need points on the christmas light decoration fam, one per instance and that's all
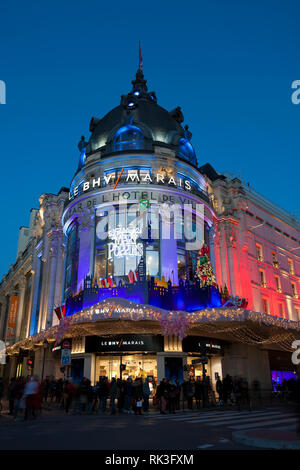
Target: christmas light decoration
(204, 269)
(119, 315)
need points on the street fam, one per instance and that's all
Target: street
(189, 430)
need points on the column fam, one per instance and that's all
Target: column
(21, 294)
(54, 237)
(86, 246)
(168, 250)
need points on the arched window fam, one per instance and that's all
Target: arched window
(128, 138)
(186, 151)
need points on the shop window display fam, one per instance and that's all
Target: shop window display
(137, 365)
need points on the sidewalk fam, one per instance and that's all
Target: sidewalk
(268, 439)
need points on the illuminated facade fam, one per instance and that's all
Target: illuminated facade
(110, 262)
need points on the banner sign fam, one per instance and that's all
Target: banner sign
(65, 357)
(12, 316)
(195, 344)
(125, 342)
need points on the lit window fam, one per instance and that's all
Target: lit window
(128, 138)
(294, 290)
(275, 260)
(266, 308)
(278, 284)
(262, 278)
(281, 310)
(259, 252)
(291, 267)
(297, 314)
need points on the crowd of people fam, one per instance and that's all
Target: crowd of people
(26, 396)
(124, 396)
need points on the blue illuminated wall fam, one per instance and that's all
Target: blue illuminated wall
(187, 297)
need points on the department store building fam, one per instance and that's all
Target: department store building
(109, 263)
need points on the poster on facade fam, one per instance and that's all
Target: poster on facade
(12, 317)
(65, 357)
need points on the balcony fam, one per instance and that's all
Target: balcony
(187, 296)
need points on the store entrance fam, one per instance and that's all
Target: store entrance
(77, 366)
(213, 368)
(134, 365)
(174, 369)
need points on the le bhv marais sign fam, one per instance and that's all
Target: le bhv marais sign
(130, 176)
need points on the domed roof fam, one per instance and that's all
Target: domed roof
(139, 109)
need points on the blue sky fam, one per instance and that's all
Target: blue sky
(229, 65)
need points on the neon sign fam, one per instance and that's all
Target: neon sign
(130, 177)
(124, 242)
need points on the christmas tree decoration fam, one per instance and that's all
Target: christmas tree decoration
(204, 269)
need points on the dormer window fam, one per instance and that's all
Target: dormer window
(128, 138)
(186, 151)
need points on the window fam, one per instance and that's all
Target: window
(278, 284)
(275, 260)
(294, 290)
(266, 308)
(259, 252)
(72, 261)
(181, 263)
(128, 138)
(262, 278)
(109, 263)
(281, 310)
(291, 266)
(297, 314)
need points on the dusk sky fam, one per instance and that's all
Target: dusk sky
(229, 65)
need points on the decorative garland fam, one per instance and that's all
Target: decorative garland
(171, 323)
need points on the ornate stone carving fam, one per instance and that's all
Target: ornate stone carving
(86, 219)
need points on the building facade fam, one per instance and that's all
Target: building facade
(110, 263)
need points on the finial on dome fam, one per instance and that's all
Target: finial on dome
(140, 57)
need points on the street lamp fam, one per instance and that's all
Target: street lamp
(45, 345)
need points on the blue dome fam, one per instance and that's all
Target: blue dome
(186, 151)
(128, 138)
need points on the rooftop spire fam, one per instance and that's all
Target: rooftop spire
(140, 57)
(139, 84)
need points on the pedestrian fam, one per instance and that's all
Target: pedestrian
(58, 391)
(31, 396)
(128, 396)
(198, 392)
(121, 394)
(137, 396)
(237, 393)
(227, 388)
(103, 392)
(113, 393)
(172, 398)
(190, 392)
(69, 392)
(83, 395)
(219, 388)
(256, 388)
(10, 395)
(146, 395)
(245, 397)
(178, 393)
(18, 394)
(162, 394)
(95, 395)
